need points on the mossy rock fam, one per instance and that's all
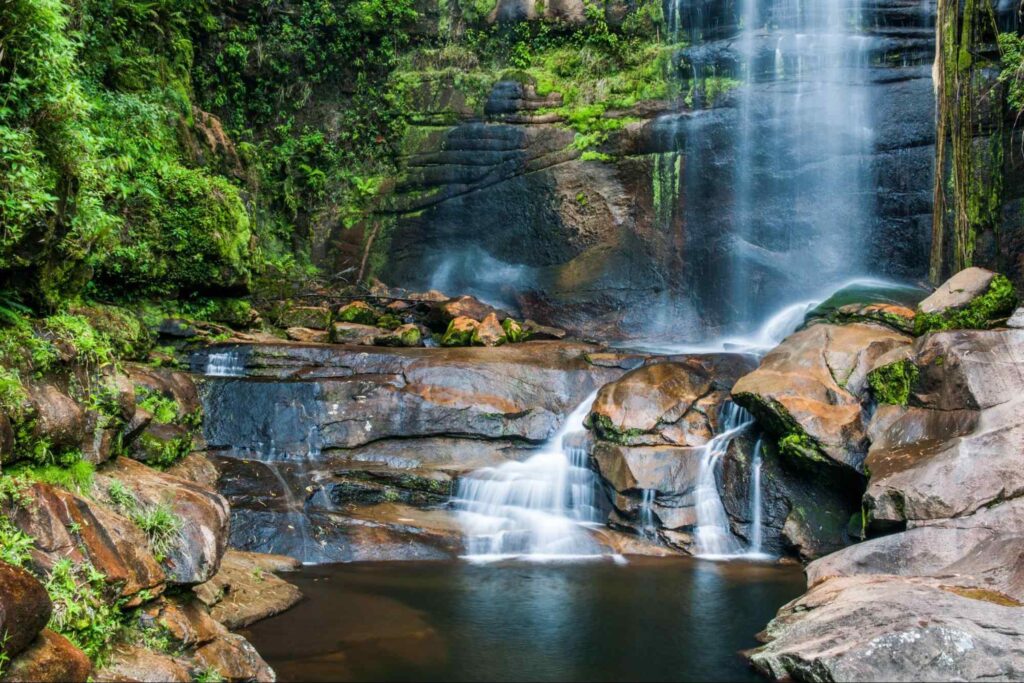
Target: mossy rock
(997, 303)
(893, 383)
(514, 332)
(404, 336)
(358, 312)
(460, 332)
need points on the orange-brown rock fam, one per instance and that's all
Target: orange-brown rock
(59, 419)
(66, 525)
(196, 468)
(234, 658)
(308, 335)
(24, 608)
(137, 664)
(489, 332)
(245, 590)
(50, 658)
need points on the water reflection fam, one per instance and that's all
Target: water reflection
(666, 619)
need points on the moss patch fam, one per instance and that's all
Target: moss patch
(894, 383)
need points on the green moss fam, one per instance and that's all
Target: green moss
(164, 409)
(998, 302)
(81, 611)
(456, 337)
(358, 313)
(389, 321)
(800, 447)
(608, 431)
(514, 332)
(162, 453)
(76, 476)
(894, 383)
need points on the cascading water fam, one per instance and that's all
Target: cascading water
(224, 364)
(713, 537)
(777, 198)
(534, 508)
(756, 513)
(647, 525)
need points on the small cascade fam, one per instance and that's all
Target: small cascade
(225, 364)
(647, 525)
(755, 502)
(535, 508)
(713, 537)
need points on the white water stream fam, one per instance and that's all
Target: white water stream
(537, 508)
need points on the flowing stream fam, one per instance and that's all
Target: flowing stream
(714, 539)
(756, 505)
(536, 508)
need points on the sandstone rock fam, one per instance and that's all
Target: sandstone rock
(235, 659)
(636, 408)
(66, 525)
(245, 590)
(194, 554)
(489, 332)
(884, 628)
(50, 658)
(404, 335)
(958, 291)
(810, 387)
(431, 296)
(1016, 320)
(537, 331)
(357, 313)
(312, 317)
(186, 620)
(140, 420)
(969, 369)
(59, 419)
(468, 307)
(460, 332)
(196, 468)
(161, 444)
(24, 608)
(353, 334)
(140, 665)
(307, 335)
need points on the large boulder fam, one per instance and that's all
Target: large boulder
(59, 420)
(655, 404)
(24, 608)
(973, 298)
(65, 525)
(141, 665)
(245, 589)
(809, 390)
(885, 628)
(354, 334)
(51, 658)
(194, 552)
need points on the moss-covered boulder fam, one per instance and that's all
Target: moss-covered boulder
(405, 335)
(312, 317)
(353, 333)
(893, 383)
(489, 332)
(974, 298)
(460, 332)
(357, 312)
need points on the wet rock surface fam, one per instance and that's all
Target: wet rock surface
(50, 658)
(25, 608)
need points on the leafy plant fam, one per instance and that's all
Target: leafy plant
(81, 611)
(15, 545)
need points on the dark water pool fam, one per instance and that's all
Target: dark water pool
(651, 619)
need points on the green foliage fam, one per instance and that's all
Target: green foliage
(609, 431)
(998, 302)
(74, 474)
(90, 346)
(161, 526)
(1011, 75)
(81, 611)
(163, 408)
(514, 332)
(894, 383)
(15, 545)
(800, 447)
(359, 313)
(162, 453)
(208, 675)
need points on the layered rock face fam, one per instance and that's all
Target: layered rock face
(936, 592)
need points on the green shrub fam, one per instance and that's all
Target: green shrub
(163, 408)
(81, 611)
(15, 545)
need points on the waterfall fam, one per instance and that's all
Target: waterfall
(224, 364)
(535, 508)
(755, 502)
(647, 524)
(713, 537)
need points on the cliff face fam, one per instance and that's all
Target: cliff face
(504, 192)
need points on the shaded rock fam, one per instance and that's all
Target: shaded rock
(234, 658)
(636, 408)
(140, 420)
(169, 383)
(489, 332)
(194, 554)
(969, 369)
(958, 291)
(245, 590)
(984, 550)
(460, 332)
(24, 608)
(141, 665)
(537, 331)
(186, 620)
(353, 333)
(161, 444)
(196, 468)
(357, 313)
(50, 657)
(66, 525)
(59, 419)
(6, 439)
(307, 335)
(899, 318)
(808, 390)
(404, 335)
(312, 317)
(1016, 320)
(885, 628)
